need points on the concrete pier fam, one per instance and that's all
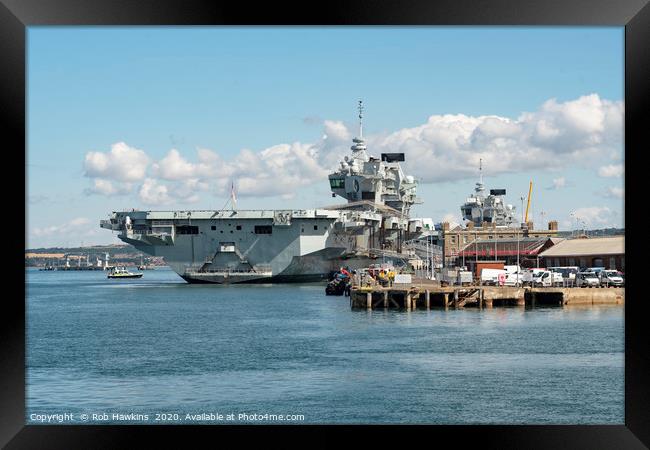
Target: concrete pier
(411, 297)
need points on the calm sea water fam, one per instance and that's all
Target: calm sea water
(163, 349)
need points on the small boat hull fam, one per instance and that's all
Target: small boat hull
(135, 275)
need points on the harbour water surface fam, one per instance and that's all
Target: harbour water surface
(157, 345)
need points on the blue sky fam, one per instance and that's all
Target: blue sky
(554, 92)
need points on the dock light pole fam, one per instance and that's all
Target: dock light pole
(431, 262)
(518, 267)
(463, 257)
(476, 254)
(426, 265)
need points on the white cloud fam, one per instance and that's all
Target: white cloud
(153, 193)
(73, 232)
(276, 170)
(611, 171)
(175, 167)
(615, 192)
(597, 216)
(72, 227)
(108, 188)
(122, 163)
(444, 148)
(453, 219)
(558, 183)
(448, 147)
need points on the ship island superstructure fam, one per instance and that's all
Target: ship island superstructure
(479, 208)
(288, 245)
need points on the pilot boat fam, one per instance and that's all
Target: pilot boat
(121, 272)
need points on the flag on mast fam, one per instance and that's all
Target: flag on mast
(233, 198)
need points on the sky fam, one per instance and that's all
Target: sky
(165, 118)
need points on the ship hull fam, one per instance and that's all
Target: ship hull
(305, 278)
(306, 269)
(259, 246)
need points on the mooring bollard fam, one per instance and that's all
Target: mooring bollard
(369, 300)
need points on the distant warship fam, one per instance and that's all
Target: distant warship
(479, 208)
(289, 245)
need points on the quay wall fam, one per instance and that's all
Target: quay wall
(412, 297)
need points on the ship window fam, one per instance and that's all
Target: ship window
(337, 183)
(187, 229)
(367, 195)
(263, 229)
(238, 227)
(315, 227)
(213, 227)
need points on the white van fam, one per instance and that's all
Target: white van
(542, 278)
(514, 276)
(530, 276)
(568, 273)
(491, 276)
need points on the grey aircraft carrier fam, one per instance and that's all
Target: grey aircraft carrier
(289, 245)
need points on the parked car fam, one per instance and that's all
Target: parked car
(587, 279)
(611, 278)
(595, 270)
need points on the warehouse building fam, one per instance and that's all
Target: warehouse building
(585, 252)
(457, 239)
(522, 250)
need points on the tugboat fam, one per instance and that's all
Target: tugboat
(121, 272)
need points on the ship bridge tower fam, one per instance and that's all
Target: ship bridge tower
(361, 177)
(479, 208)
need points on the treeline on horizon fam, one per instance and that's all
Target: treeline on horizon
(110, 249)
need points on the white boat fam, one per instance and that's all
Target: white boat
(121, 272)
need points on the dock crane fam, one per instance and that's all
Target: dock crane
(530, 191)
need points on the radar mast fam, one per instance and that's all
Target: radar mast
(360, 119)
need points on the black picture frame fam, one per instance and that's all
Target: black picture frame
(634, 15)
